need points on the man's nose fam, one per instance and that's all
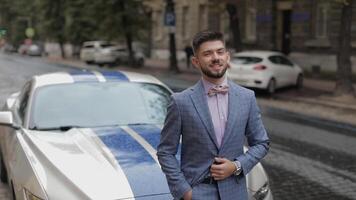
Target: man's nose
(215, 55)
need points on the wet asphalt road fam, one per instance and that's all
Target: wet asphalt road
(308, 159)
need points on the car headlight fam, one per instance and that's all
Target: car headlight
(262, 192)
(30, 196)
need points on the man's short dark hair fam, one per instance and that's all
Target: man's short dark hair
(205, 36)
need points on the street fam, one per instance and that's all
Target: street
(308, 159)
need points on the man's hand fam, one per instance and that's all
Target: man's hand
(222, 168)
(188, 195)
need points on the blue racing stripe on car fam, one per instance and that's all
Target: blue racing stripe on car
(141, 170)
(83, 76)
(114, 76)
(151, 133)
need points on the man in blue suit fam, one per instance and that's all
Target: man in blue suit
(212, 120)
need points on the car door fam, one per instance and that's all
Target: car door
(282, 69)
(11, 142)
(291, 71)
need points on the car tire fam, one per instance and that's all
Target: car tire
(299, 82)
(3, 172)
(271, 87)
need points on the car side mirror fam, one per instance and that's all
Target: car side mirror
(6, 119)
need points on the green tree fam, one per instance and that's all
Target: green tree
(121, 20)
(53, 20)
(80, 23)
(16, 16)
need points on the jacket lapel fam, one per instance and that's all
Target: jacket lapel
(201, 105)
(233, 110)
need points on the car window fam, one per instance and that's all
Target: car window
(104, 45)
(120, 49)
(280, 60)
(88, 46)
(246, 60)
(99, 104)
(285, 61)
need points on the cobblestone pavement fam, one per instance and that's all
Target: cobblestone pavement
(4, 192)
(309, 162)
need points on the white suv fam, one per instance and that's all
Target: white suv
(103, 52)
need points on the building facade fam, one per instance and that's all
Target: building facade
(307, 30)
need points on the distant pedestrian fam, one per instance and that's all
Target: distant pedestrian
(211, 122)
(189, 53)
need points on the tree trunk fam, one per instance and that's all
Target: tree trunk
(344, 70)
(173, 56)
(128, 37)
(127, 30)
(234, 26)
(61, 46)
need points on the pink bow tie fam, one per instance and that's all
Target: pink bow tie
(218, 89)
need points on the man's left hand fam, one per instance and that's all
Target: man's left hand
(222, 168)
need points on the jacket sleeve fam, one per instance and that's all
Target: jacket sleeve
(257, 139)
(167, 149)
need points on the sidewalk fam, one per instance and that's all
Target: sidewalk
(314, 99)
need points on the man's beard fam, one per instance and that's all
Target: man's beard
(211, 74)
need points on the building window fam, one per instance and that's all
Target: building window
(185, 22)
(321, 21)
(158, 25)
(251, 15)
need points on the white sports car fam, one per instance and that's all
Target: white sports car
(90, 135)
(266, 70)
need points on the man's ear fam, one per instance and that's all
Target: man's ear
(195, 62)
(228, 56)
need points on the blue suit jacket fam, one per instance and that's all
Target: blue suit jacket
(189, 118)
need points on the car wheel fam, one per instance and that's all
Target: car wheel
(299, 82)
(3, 172)
(271, 88)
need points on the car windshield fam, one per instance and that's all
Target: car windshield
(105, 45)
(246, 60)
(98, 104)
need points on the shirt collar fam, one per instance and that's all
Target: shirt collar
(207, 85)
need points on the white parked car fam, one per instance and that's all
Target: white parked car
(103, 52)
(266, 70)
(90, 135)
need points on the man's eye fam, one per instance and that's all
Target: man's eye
(222, 51)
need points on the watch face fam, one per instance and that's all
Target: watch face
(238, 171)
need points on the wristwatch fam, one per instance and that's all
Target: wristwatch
(238, 168)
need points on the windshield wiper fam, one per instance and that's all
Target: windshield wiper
(60, 128)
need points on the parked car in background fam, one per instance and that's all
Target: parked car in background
(90, 135)
(266, 70)
(33, 49)
(103, 52)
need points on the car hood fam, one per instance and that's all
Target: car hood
(101, 163)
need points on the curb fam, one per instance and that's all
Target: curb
(319, 102)
(326, 124)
